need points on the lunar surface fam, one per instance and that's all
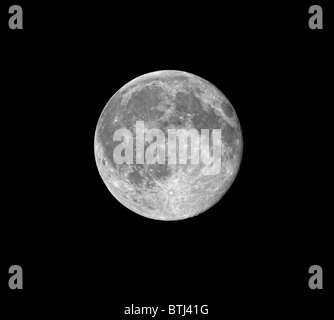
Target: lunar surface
(140, 173)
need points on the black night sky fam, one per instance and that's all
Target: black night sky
(82, 252)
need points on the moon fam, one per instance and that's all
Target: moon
(165, 103)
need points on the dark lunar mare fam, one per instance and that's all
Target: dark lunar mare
(142, 107)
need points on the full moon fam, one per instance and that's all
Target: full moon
(168, 145)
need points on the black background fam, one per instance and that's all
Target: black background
(81, 251)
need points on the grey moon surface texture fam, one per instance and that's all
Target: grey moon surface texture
(168, 145)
